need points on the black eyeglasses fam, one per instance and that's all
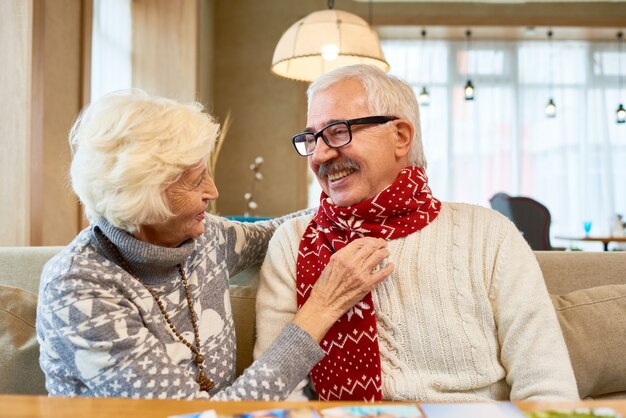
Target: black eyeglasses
(335, 135)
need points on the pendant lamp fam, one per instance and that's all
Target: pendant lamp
(323, 41)
(424, 96)
(620, 113)
(469, 87)
(551, 106)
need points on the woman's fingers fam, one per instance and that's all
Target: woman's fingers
(364, 252)
(350, 274)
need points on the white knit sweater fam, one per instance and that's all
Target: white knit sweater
(465, 316)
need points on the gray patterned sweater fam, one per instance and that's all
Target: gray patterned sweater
(102, 334)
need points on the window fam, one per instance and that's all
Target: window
(574, 163)
(111, 63)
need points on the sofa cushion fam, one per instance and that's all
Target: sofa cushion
(593, 322)
(242, 301)
(19, 349)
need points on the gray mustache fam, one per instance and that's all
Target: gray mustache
(333, 166)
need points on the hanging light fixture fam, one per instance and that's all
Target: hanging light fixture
(325, 40)
(424, 96)
(551, 106)
(620, 112)
(469, 87)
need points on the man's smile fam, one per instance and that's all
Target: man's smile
(338, 175)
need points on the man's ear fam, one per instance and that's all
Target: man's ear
(404, 137)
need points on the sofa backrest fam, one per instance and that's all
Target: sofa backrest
(21, 266)
(20, 270)
(563, 271)
(567, 271)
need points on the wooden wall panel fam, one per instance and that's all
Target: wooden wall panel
(62, 102)
(40, 91)
(165, 47)
(266, 110)
(16, 18)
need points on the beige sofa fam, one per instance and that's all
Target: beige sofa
(589, 293)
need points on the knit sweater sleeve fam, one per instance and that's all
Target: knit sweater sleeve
(277, 372)
(532, 347)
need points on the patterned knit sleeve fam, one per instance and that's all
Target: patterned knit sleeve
(246, 242)
(275, 374)
(532, 348)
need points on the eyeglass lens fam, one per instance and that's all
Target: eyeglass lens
(335, 136)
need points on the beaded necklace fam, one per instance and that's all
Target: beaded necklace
(203, 380)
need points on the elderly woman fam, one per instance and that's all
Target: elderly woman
(137, 305)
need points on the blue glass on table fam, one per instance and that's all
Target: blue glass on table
(587, 227)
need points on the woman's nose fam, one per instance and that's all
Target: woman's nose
(210, 190)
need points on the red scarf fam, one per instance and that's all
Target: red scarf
(351, 368)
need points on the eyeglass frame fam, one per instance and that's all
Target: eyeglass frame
(368, 120)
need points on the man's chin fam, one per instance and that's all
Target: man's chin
(343, 201)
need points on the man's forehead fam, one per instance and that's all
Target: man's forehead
(338, 102)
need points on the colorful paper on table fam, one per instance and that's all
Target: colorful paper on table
(281, 413)
(202, 414)
(575, 413)
(471, 410)
(265, 413)
(381, 411)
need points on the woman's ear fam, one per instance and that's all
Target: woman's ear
(404, 137)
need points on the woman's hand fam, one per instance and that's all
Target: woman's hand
(346, 279)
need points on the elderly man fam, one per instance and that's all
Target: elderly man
(465, 315)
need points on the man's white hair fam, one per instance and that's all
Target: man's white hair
(128, 147)
(386, 95)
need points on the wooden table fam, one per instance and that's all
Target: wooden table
(603, 240)
(18, 406)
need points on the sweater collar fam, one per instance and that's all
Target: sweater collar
(150, 263)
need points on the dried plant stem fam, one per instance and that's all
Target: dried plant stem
(212, 162)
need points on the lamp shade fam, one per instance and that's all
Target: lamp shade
(325, 40)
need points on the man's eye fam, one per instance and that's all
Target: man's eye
(339, 130)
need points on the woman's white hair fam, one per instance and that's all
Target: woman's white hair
(386, 95)
(128, 147)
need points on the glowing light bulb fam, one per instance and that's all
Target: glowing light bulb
(469, 90)
(621, 114)
(424, 97)
(330, 52)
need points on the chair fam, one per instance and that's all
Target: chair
(500, 202)
(530, 216)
